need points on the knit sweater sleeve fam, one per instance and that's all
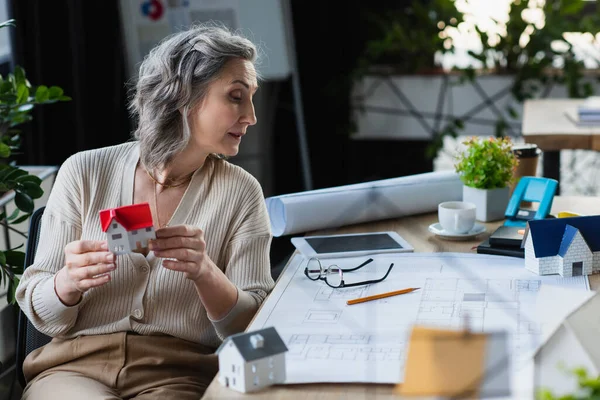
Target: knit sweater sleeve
(247, 263)
(60, 225)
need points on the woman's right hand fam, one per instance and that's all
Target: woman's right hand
(87, 265)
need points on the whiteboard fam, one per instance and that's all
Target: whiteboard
(146, 22)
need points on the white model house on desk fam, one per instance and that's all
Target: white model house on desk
(128, 228)
(253, 360)
(572, 343)
(565, 246)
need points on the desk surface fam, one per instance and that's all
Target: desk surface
(545, 124)
(414, 230)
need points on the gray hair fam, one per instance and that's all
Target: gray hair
(173, 78)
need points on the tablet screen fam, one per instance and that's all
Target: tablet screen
(352, 243)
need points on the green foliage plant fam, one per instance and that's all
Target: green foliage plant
(486, 163)
(546, 50)
(18, 97)
(588, 388)
(408, 39)
(546, 58)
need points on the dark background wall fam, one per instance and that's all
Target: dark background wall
(329, 42)
(78, 46)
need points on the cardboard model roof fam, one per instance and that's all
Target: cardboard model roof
(584, 325)
(553, 236)
(456, 363)
(273, 344)
(132, 217)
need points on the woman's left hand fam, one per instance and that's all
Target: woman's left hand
(182, 248)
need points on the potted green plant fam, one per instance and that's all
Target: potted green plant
(18, 97)
(408, 38)
(486, 167)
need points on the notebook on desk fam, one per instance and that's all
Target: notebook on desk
(509, 236)
(485, 248)
(504, 241)
(573, 116)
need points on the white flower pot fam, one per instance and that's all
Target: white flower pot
(491, 203)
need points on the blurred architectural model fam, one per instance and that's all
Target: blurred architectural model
(570, 343)
(253, 360)
(456, 364)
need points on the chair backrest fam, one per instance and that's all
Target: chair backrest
(28, 337)
(532, 189)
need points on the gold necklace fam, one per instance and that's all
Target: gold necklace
(156, 207)
(167, 186)
(185, 180)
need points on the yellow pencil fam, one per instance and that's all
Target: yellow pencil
(381, 296)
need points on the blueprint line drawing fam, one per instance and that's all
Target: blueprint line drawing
(329, 341)
(447, 302)
(327, 293)
(341, 347)
(322, 316)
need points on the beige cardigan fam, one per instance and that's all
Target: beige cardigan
(222, 199)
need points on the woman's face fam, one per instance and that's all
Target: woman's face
(218, 123)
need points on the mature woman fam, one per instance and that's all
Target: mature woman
(146, 325)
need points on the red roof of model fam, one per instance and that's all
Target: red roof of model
(135, 216)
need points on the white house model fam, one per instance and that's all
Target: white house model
(571, 342)
(565, 246)
(253, 360)
(128, 228)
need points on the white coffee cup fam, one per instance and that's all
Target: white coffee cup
(456, 216)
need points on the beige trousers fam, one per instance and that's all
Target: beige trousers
(120, 365)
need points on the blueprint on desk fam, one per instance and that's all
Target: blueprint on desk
(329, 341)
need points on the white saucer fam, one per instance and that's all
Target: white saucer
(438, 230)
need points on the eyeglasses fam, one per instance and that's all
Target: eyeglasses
(334, 275)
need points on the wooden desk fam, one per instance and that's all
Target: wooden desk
(414, 230)
(545, 124)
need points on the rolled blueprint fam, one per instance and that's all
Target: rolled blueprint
(362, 202)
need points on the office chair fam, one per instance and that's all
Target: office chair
(28, 337)
(530, 189)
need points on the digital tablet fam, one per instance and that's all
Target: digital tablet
(354, 244)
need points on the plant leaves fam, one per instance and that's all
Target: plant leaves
(24, 202)
(29, 178)
(19, 77)
(15, 173)
(9, 22)
(22, 94)
(55, 92)
(42, 94)
(16, 259)
(12, 289)
(4, 150)
(22, 218)
(25, 108)
(13, 215)
(32, 189)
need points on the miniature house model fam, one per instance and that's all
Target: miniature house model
(565, 246)
(128, 228)
(456, 363)
(571, 343)
(253, 360)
